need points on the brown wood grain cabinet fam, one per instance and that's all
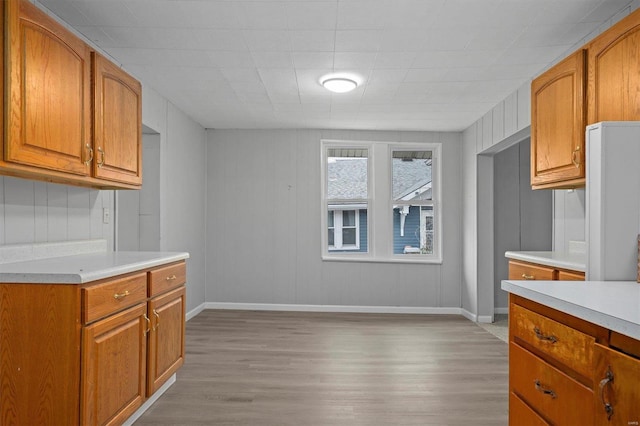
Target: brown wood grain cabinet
(521, 270)
(52, 85)
(614, 72)
(89, 354)
(565, 371)
(599, 82)
(557, 125)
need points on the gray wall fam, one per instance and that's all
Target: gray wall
(568, 217)
(38, 212)
(263, 226)
(182, 191)
(522, 217)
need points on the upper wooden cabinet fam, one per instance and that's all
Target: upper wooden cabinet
(118, 123)
(558, 125)
(48, 92)
(614, 72)
(53, 82)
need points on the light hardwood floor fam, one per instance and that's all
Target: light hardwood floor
(292, 368)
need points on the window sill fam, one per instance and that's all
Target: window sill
(395, 259)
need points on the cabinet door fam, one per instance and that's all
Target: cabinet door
(118, 124)
(166, 340)
(557, 125)
(48, 93)
(614, 72)
(114, 367)
(618, 392)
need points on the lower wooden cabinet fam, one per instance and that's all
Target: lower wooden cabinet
(89, 354)
(567, 371)
(114, 359)
(521, 270)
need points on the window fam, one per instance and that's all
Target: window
(380, 201)
(347, 187)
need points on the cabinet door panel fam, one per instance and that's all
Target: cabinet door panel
(166, 340)
(557, 125)
(48, 100)
(619, 379)
(614, 72)
(113, 367)
(118, 124)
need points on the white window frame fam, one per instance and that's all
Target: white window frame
(379, 202)
(338, 226)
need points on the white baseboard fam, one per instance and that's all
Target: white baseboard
(332, 308)
(501, 311)
(468, 315)
(192, 313)
(486, 319)
(149, 402)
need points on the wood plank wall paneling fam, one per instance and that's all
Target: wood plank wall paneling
(263, 225)
(34, 212)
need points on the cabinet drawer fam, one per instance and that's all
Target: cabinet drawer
(547, 390)
(618, 399)
(570, 276)
(521, 414)
(565, 344)
(167, 277)
(104, 299)
(529, 271)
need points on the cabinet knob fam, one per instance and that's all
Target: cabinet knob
(528, 277)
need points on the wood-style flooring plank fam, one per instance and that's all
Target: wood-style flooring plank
(293, 368)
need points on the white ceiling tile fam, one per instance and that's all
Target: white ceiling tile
(96, 35)
(323, 60)
(273, 59)
(267, 40)
(412, 14)
(384, 76)
(69, 11)
(249, 75)
(456, 59)
(262, 15)
(358, 40)
(185, 14)
(311, 15)
(358, 15)
(313, 41)
(354, 60)
(114, 13)
(386, 60)
(425, 74)
(229, 59)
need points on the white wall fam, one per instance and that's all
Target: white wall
(568, 217)
(182, 190)
(263, 226)
(37, 212)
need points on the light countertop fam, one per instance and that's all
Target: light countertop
(84, 268)
(575, 261)
(611, 304)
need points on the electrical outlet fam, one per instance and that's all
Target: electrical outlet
(106, 215)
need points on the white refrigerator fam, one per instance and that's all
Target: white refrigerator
(612, 200)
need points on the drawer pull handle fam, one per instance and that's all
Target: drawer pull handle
(121, 295)
(146, 318)
(101, 159)
(157, 320)
(573, 157)
(171, 278)
(544, 390)
(528, 277)
(90, 159)
(608, 378)
(541, 336)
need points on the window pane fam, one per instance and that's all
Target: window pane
(349, 218)
(413, 230)
(347, 174)
(330, 218)
(331, 239)
(348, 236)
(412, 175)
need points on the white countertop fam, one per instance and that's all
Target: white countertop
(575, 261)
(83, 268)
(611, 304)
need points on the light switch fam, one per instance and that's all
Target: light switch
(106, 215)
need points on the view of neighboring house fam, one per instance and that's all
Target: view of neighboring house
(347, 213)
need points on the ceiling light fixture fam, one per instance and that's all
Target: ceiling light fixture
(339, 84)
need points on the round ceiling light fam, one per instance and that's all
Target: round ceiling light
(339, 84)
